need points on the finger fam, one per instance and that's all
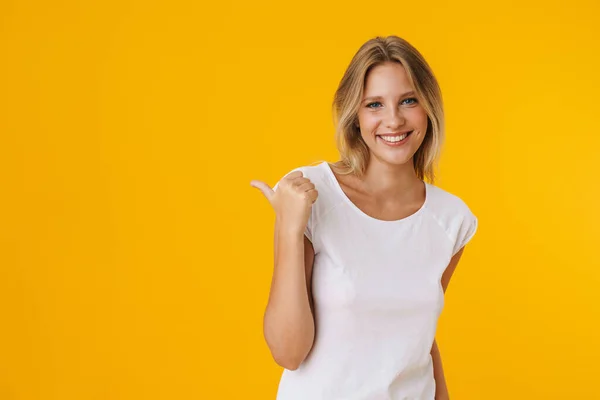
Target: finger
(299, 181)
(264, 188)
(293, 175)
(312, 194)
(306, 186)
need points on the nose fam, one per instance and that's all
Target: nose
(393, 119)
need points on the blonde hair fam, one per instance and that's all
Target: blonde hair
(354, 152)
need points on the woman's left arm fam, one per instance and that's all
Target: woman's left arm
(441, 389)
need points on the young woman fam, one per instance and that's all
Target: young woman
(364, 247)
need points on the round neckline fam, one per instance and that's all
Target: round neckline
(341, 192)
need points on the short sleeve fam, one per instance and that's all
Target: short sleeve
(308, 231)
(466, 231)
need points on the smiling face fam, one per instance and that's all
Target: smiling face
(389, 108)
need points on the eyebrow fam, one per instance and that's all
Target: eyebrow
(411, 93)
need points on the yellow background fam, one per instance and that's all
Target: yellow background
(136, 259)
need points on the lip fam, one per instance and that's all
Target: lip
(395, 144)
(395, 134)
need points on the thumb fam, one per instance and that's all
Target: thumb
(264, 188)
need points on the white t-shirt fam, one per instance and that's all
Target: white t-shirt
(377, 295)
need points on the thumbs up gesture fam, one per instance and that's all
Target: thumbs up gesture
(293, 199)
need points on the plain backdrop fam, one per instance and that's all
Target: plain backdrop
(135, 257)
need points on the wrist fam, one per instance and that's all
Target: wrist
(288, 228)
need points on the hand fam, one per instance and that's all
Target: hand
(293, 199)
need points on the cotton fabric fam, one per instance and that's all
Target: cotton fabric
(377, 295)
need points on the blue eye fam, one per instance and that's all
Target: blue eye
(377, 102)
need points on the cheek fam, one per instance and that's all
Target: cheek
(368, 120)
(419, 118)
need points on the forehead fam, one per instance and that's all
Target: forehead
(387, 78)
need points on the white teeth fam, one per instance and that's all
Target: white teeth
(394, 138)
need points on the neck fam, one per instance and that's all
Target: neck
(390, 181)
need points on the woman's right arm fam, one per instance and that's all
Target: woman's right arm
(289, 326)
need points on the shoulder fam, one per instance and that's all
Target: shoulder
(319, 173)
(444, 203)
(315, 172)
(453, 214)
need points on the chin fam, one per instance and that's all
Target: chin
(397, 161)
(402, 162)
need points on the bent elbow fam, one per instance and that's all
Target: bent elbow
(287, 362)
(289, 349)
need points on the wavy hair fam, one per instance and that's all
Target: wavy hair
(354, 152)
